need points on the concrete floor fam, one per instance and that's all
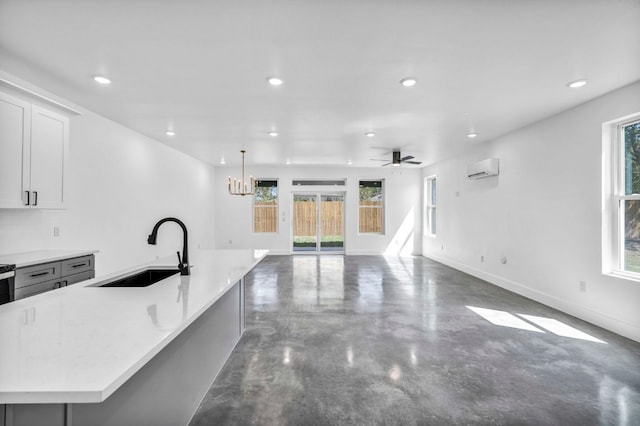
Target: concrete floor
(366, 340)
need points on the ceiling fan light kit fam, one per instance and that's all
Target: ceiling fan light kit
(397, 160)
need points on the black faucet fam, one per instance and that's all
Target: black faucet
(183, 263)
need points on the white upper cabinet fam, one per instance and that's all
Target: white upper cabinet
(49, 136)
(15, 126)
(33, 155)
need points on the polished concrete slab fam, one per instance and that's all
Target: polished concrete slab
(366, 340)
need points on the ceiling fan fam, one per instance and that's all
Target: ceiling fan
(397, 160)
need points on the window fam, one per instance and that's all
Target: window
(625, 179)
(430, 206)
(265, 206)
(371, 217)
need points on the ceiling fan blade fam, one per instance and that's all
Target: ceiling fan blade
(413, 162)
(408, 157)
(385, 164)
(377, 159)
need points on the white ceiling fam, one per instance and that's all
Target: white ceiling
(200, 67)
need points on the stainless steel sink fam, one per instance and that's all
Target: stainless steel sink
(142, 279)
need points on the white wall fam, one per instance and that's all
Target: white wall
(543, 213)
(402, 214)
(119, 184)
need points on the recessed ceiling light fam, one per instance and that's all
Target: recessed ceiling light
(101, 79)
(408, 81)
(349, 162)
(273, 133)
(222, 161)
(275, 81)
(472, 135)
(288, 161)
(370, 134)
(576, 84)
(170, 133)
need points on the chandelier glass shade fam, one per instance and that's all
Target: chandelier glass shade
(240, 186)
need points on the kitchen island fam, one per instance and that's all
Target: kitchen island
(85, 354)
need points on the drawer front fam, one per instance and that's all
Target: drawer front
(77, 265)
(34, 289)
(36, 274)
(73, 279)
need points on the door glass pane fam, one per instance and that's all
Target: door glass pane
(631, 252)
(332, 223)
(305, 229)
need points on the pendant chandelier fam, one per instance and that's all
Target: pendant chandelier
(239, 186)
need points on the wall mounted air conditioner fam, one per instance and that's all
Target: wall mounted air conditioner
(484, 168)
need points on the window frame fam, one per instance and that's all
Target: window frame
(382, 208)
(430, 208)
(614, 198)
(277, 208)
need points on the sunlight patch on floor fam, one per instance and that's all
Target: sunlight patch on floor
(532, 323)
(504, 319)
(559, 328)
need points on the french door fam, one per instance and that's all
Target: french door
(318, 222)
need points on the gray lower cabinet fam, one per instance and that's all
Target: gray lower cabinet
(36, 279)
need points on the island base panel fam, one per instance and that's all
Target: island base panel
(168, 389)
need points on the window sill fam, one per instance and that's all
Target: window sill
(631, 276)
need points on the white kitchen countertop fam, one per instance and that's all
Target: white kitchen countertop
(80, 343)
(41, 256)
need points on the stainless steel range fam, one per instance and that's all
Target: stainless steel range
(7, 272)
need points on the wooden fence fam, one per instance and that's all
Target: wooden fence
(265, 216)
(370, 216)
(304, 218)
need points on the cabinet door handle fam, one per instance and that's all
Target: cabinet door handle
(79, 265)
(35, 198)
(28, 198)
(39, 274)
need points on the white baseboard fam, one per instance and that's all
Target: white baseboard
(279, 252)
(600, 319)
(348, 252)
(363, 252)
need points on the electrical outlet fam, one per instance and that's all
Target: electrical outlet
(56, 231)
(583, 286)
